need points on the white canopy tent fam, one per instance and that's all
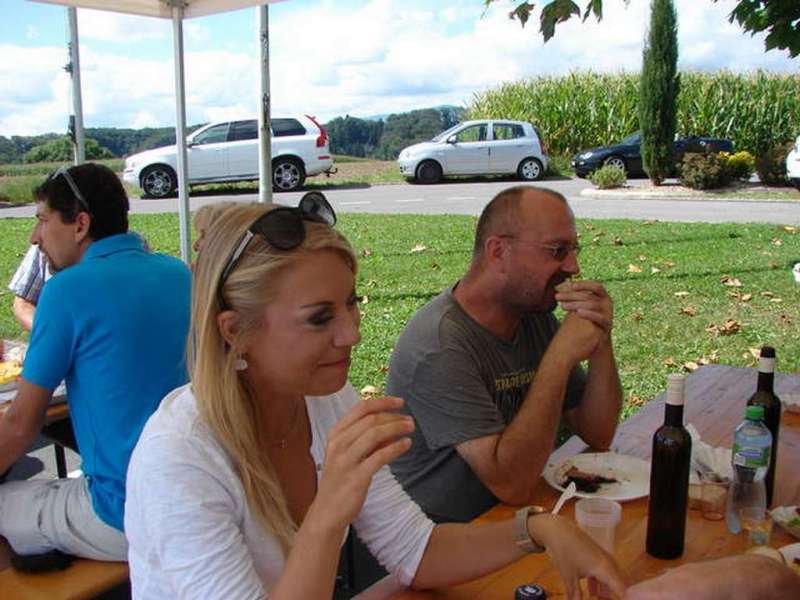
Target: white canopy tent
(177, 11)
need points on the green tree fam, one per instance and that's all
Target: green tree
(658, 91)
(60, 150)
(780, 19)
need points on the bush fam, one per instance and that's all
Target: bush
(741, 164)
(705, 171)
(771, 165)
(585, 109)
(607, 177)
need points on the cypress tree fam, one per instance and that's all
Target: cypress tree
(658, 91)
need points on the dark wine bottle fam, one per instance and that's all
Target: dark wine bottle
(766, 397)
(669, 477)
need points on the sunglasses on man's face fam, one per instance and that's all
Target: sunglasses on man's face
(282, 228)
(83, 205)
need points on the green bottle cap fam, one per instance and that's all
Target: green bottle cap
(754, 413)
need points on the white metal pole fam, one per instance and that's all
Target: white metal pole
(264, 131)
(75, 74)
(180, 129)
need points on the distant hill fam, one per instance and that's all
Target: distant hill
(380, 136)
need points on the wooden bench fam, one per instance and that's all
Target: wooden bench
(82, 580)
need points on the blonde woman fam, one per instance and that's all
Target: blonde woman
(243, 484)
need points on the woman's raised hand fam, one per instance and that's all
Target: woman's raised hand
(367, 438)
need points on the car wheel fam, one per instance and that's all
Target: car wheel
(288, 174)
(428, 172)
(158, 181)
(616, 161)
(530, 169)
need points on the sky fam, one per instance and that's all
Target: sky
(328, 58)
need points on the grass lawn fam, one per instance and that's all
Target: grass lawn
(684, 294)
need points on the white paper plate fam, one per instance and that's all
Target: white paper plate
(791, 552)
(784, 515)
(8, 387)
(632, 475)
(791, 401)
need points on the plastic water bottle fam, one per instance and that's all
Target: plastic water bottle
(752, 443)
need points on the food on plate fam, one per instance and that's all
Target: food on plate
(584, 481)
(9, 371)
(768, 552)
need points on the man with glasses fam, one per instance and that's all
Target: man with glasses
(488, 372)
(112, 321)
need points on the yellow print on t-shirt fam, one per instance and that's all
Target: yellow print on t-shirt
(515, 381)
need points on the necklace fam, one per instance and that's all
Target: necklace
(283, 442)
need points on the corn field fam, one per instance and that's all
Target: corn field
(757, 110)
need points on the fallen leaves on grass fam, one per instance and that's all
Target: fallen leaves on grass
(741, 297)
(767, 294)
(681, 294)
(689, 310)
(637, 317)
(634, 400)
(669, 362)
(693, 365)
(418, 248)
(730, 281)
(790, 229)
(369, 390)
(776, 242)
(634, 268)
(435, 265)
(366, 252)
(642, 257)
(654, 270)
(618, 241)
(729, 327)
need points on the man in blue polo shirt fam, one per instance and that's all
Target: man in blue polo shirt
(112, 322)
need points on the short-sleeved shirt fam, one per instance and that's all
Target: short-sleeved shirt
(191, 532)
(461, 382)
(30, 275)
(114, 326)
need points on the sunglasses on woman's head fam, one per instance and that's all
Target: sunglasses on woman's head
(282, 228)
(64, 172)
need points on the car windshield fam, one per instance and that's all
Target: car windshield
(635, 138)
(445, 134)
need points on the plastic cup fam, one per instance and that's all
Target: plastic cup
(713, 496)
(756, 525)
(598, 518)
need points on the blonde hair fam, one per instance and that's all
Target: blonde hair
(225, 401)
(208, 213)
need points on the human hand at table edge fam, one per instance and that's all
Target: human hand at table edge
(576, 555)
(743, 577)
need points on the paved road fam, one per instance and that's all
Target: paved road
(471, 197)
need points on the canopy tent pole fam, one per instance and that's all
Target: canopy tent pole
(180, 128)
(74, 69)
(264, 119)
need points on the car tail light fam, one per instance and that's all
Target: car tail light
(322, 138)
(541, 141)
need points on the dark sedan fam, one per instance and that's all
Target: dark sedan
(628, 156)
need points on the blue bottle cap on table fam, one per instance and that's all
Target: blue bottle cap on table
(530, 591)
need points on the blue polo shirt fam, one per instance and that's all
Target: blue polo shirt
(114, 326)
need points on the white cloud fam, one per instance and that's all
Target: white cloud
(119, 28)
(386, 56)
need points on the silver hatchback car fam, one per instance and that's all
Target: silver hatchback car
(489, 147)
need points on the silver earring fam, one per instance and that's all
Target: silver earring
(240, 364)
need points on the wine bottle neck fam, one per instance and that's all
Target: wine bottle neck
(766, 381)
(673, 415)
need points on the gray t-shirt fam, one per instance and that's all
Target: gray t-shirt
(460, 382)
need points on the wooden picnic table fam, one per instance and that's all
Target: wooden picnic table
(715, 400)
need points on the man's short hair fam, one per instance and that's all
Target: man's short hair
(501, 214)
(102, 190)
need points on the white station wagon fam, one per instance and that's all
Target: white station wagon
(228, 151)
(490, 147)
